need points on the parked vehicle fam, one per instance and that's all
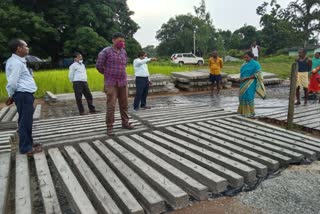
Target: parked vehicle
(186, 58)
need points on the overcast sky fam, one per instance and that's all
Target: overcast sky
(226, 14)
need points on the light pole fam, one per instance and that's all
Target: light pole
(194, 42)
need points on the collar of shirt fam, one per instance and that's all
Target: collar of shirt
(22, 59)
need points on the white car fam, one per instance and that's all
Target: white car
(186, 58)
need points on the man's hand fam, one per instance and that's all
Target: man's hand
(9, 101)
(154, 59)
(150, 83)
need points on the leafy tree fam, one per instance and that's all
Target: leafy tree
(278, 31)
(305, 16)
(246, 35)
(87, 41)
(150, 50)
(49, 25)
(178, 33)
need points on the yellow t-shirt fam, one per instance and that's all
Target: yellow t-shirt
(215, 65)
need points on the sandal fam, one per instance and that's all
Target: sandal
(35, 145)
(34, 151)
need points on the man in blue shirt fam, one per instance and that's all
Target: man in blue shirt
(21, 87)
(142, 80)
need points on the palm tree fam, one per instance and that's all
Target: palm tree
(305, 15)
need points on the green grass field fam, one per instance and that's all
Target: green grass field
(57, 81)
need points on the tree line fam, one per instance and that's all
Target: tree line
(54, 29)
(296, 25)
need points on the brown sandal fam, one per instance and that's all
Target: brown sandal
(34, 151)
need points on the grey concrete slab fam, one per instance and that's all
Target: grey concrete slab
(37, 112)
(117, 189)
(244, 170)
(181, 115)
(146, 195)
(5, 166)
(234, 179)
(242, 143)
(91, 184)
(186, 182)
(296, 153)
(173, 194)
(213, 141)
(192, 119)
(165, 110)
(283, 132)
(201, 146)
(23, 204)
(214, 182)
(15, 118)
(253, 129)
(10, 114)
(50, 96)
(72, 187)
(48, 192)
(3, 112)
(178, 112)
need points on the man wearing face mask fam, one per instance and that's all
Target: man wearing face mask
(142, 81)
(112, 63)
(78, 77)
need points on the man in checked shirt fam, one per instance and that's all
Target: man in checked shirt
(112, 63)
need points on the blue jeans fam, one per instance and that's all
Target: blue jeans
(142, 89)
(24, 102)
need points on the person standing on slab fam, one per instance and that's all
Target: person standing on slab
(143, 82)
(215, 66)
(112, 63)
(21, 87)
(78, 77)
(304, 67)
(255, 49)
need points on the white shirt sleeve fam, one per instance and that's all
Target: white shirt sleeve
(138, 62)
(13, 72)
(71, 73)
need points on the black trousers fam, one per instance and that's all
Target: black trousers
(24, 102)
(142, 89)
(82, 88)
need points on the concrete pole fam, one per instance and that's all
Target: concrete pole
(293, 83)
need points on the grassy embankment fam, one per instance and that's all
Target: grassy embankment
(57, 81)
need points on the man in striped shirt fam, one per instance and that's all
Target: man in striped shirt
(112, 63)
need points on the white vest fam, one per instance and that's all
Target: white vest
(255, 51)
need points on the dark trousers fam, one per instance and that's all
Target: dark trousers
(82, 88)
(24, 102)
(142, 89)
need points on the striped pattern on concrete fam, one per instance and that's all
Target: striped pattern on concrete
(304, 116)
(78, 128)
(163, 117)
(6, 140)
(159, 170)
(9, 116)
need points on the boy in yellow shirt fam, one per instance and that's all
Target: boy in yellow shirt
(215, 66)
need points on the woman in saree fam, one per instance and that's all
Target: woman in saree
(314, 85)
(251, 82)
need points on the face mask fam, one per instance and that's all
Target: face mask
(120, 44)
(81, 61)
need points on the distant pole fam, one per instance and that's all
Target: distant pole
(293, 87)
(194, 42)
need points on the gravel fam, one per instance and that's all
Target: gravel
(296, 190)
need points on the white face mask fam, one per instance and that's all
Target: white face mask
(81, 61)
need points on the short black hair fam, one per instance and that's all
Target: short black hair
(118, 35)
(141, 53)
(14, 44)
(249, 53)
(303, 50)
(76, 54)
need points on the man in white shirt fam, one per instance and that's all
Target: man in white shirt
(142, 75)
(255, 49)
(21, 87)
(78, 76)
